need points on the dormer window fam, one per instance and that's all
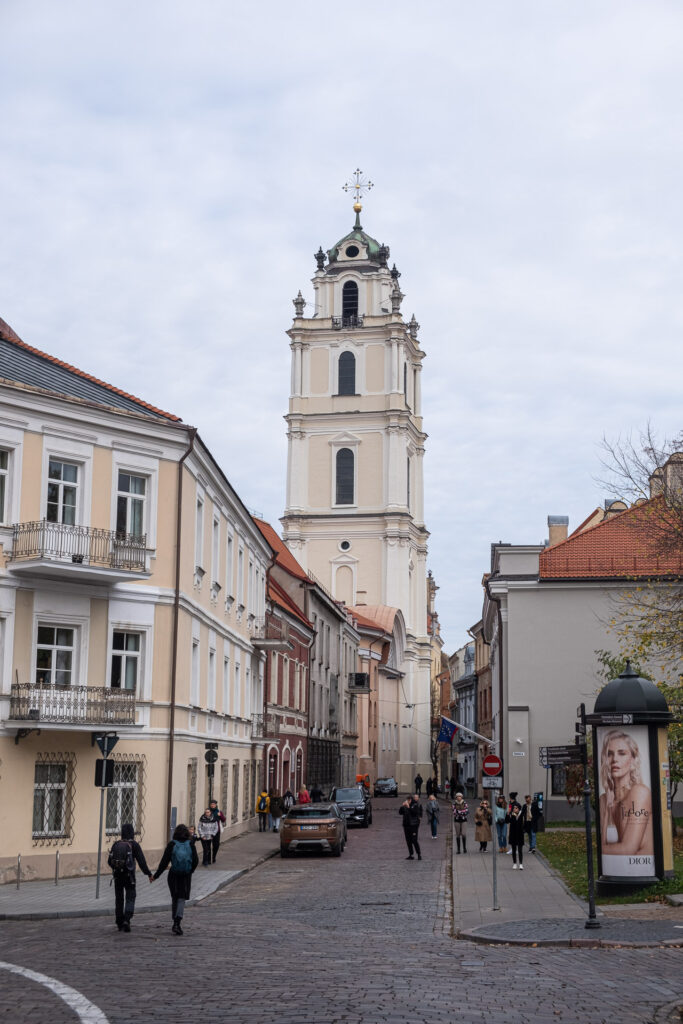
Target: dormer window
(350, 304)
(347, 374)
(351, 251)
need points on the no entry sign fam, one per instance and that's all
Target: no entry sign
(492, 765)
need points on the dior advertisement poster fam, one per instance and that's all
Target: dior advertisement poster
(626, 831)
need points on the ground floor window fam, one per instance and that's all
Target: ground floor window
(124, 797)
(559, 780)
(192, 791)
(53, 797)
(247, 810)
(235, 791)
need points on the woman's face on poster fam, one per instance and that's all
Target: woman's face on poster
(619, 758)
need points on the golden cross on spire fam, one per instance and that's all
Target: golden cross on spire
(359, 185)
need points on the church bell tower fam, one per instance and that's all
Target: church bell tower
(354, 513)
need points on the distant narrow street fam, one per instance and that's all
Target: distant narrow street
(364, 938)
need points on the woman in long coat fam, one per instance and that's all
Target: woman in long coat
(482, 823)
(179, 881)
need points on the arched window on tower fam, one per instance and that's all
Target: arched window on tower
(344, 477)
(405, 382)
(350, 304)
(347, 374)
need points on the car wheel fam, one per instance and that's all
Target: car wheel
(366, 822)
(337, 850)
(370, 820)
(284, 852)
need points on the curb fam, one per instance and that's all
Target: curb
(472, 935)
(51, 915)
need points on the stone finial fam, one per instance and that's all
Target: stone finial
(396, 297)
(413, 327)
(320, 258)
(299, 303)
(383, 255)
(395, 273)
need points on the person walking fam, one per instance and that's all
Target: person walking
(411, 811)
(207, 826)
(219, 817)
(516, 832)
(303, 796)
(316, 794)
(288, 800)
(418, 785)
(122, 858)
(500, 813)
(460, 813)
(429, 786)
(180, 856)
(482, 823)
(531, 814)
(277, 806)
(262, 809)
(433, 810)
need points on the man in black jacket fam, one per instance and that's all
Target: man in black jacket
(530, 816)
(124, 853)
(411, 812)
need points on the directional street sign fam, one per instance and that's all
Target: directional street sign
(609, 718)
(492, 765)
(566, 754)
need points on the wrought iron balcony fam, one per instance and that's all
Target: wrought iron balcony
(71, 705)
(270, 633)
(88, 552)
(257, 729)
(350, 320)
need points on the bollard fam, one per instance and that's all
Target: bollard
(57, 868)
(18, 870)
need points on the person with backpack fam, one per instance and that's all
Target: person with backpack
(263, 809)
(288, 800)
(207, 827)
(122, 857)
(411, 812)
(180, 856)
(277, 806)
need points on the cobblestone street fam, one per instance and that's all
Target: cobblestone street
(365, 938)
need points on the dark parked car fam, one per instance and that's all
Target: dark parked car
(386, 787)
(313, 827)
(355, 804)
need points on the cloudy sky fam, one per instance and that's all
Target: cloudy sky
(167, 171)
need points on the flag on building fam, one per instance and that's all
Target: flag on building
(447, 732)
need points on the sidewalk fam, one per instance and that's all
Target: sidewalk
(75, 897)
(537, 909)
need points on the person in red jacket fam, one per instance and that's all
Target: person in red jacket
(304, 796)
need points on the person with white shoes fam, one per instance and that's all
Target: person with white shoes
(433, 814)
(516, 835)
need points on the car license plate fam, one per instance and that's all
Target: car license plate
(305, 828)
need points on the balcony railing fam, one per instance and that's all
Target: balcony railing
(351, 320)
(71, 705)
(269, 633)
(81, 545)
(257, 727)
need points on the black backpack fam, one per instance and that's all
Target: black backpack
(121, 859)
(262, 804)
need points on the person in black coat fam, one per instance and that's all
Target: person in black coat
(516, 834)
(179, 882)
(411, 812)
(124, 880)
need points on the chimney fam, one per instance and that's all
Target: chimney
(558, 527)
(668, 479)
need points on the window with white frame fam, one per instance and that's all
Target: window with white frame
(130, 504)
(229, 582)
(126, 651)
(194, 681)
(226, 684)
(240, 577)
(4, 485)
(237, 701)
(123, 797)
(250, 588)
(199, 533)
(211, 697)
(297, 684)
(395, 737)
(55, 650)
(215, 550)
(247, 690)
(53, 796)
(62, 492)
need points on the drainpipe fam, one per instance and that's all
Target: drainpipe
(192, 434)
(497, 602)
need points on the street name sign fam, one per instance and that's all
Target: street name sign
(569, 753)
(491, 782)
(609, 718)
(492, 765)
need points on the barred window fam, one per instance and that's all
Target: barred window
(124, 804)
(235, 791)
(559, 780)
(192, 791)
(53, 797)
(247, 810)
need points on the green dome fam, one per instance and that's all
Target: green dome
(357, 235)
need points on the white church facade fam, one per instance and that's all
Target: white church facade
(354, 513)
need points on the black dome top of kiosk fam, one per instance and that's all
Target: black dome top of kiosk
(629, 692)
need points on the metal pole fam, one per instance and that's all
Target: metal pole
(18, 870)
(494, 850)
(57, 868)
(592, 921)
(99, 836)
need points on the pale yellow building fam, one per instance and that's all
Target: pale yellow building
(132, 596)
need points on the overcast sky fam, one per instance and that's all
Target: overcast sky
(167, 171)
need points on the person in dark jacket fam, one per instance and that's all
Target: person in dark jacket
(418, 785)
(316, 794)
(124, 879)
(207, 827)
(429, 786)
(516, 835)
(531, 815)
(411, 812)
(219, 817)
(179, 882)
(277, 806)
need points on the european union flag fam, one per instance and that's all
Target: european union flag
(448, 731)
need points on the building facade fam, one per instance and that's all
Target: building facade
(131, 582)
(354, 507)
(465, 745)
